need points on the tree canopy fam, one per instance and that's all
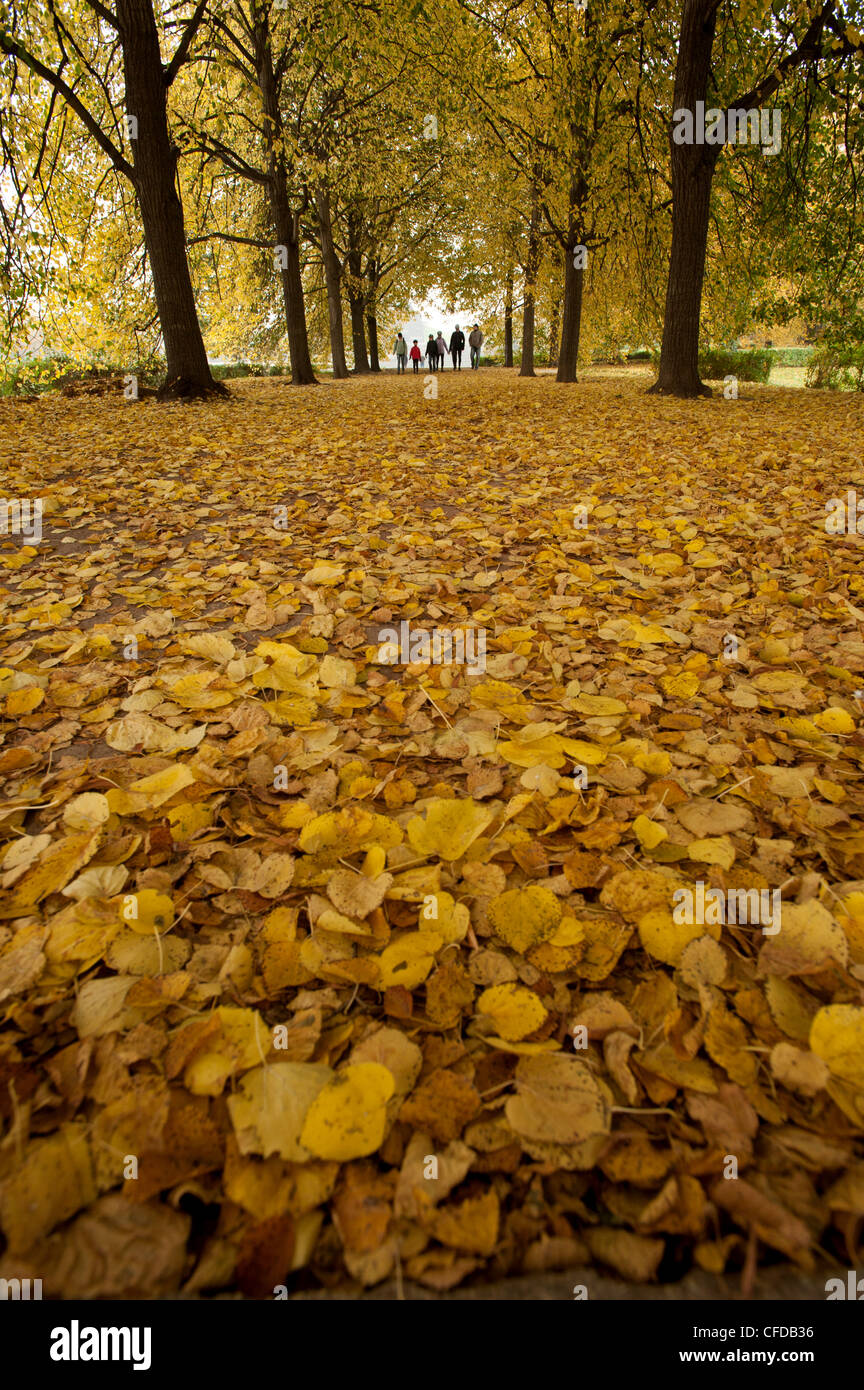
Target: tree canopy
(256, 179)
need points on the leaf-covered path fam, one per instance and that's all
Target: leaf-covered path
(313, 964)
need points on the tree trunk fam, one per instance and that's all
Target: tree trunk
(371, 310)
(286, 223)
(527, 367)
(554, 319)
(333, 281)
(692, 171)
(358, 336)
(571, 325)
(188, 371)
(372, 329)
(356, 291)
(508, 322)
(532, 265)
(288, 234)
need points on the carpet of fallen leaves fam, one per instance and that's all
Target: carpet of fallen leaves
(317, 969)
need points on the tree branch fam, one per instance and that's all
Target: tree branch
(105, 143)
(807, 50)
(103, 13)
(229, 236)
(183, 46)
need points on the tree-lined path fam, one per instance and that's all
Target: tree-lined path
(283, 920)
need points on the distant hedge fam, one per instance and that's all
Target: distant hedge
(791, 356)
(239, 369)
(750, 365)
(35, 375)
(837, 368)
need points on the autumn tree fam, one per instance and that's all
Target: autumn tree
(250, 119)
(554, 105)
(780, 40)
(85, 56)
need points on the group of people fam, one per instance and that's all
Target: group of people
(437, 349)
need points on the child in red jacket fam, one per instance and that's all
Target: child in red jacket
(416, 354)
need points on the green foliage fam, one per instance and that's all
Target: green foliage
(29, 377)
(837, 367)
(34, 376)
(791, 356)
(231, 371)
(751, 365)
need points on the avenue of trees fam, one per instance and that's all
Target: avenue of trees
(236, 176)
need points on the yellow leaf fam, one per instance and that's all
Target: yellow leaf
(324, 573)
(138, 731)
(832, 791)
(654, 761)
(664, 938)
(59, 863)
(49, 1184)
(663, 561)
(523, 917)
(214, 646)
(473, 1225)
(834, 721)
(447, 917)
(147, 912)
(582, 752)
(681, 687)
(557, 1100)
(244, 1042)
(348, 1118)
(193, 692)
(24, 701)
(335, 671)
(86, 812)
(515, 1010)
(717, 850)
(186, 820)
(351, 828)
(81, 933)
(408, 961)
(778, 682)
(598, 705)
(449, 827)
(563, 950)
(692, 1073)
(161, 786)
(648, 832)
(837, 1036)
(269, 1108)
(541, 750)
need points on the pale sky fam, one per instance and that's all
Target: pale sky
(428, 320)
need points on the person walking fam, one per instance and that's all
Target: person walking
(401, 352)
(457, 343)
(432, 353)
(442, 350)
(416, 354)
(475, 342)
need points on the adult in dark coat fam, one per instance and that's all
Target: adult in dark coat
(457, 343)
